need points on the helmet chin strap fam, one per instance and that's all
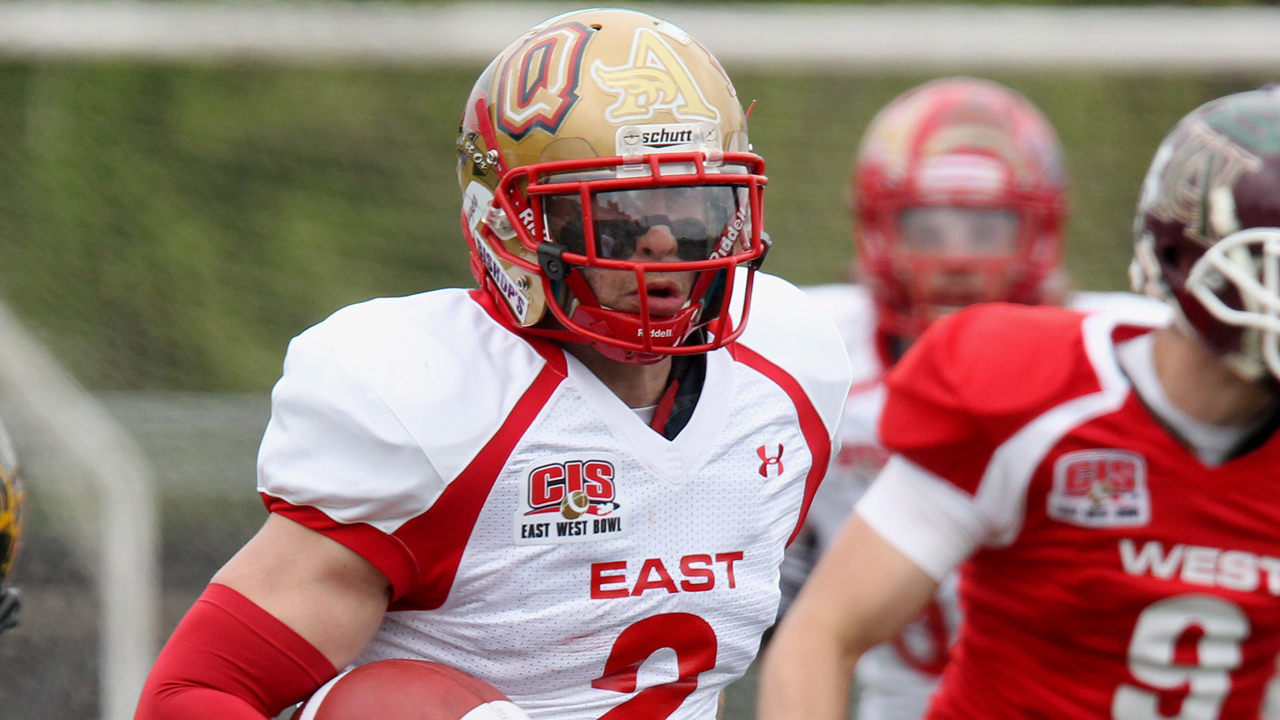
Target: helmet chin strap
(665, 332)
(10, 602)
(588, 313)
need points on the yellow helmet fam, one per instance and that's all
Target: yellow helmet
(11, 502)
(580, 139)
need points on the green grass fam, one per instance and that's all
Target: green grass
(171, 227)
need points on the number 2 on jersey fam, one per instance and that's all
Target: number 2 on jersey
(692, 639)
(1153, 658)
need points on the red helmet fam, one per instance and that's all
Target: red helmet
(958, 155)
(1207, 231)
(608, 188)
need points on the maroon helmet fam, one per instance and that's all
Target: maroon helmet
(1207, 231)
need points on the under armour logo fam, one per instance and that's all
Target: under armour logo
(770, 461)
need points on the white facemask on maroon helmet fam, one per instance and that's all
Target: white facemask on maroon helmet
(1207, 231)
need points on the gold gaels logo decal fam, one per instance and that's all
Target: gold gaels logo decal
(539, 82)
(655, 78)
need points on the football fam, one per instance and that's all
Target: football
(574, 504)
(408, 690)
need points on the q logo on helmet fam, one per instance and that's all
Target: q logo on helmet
(655, 78)
(539, 82)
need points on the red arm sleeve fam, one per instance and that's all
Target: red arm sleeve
(232, 660)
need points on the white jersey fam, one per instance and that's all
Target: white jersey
(896, 679)
(537, 533)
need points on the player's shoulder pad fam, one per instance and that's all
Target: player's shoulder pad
(849, 306)
(426, 357)
(790, 330)
(1000, 360)
(853, 311)
(1127, 308)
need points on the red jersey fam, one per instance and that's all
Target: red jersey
(1112, 573)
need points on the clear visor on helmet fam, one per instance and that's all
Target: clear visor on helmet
(664, 224)
(959, 231)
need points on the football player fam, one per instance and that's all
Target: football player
(1109, 488)
(12, 499)
(959, 197)
(577, 481)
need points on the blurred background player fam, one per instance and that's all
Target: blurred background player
(590, 460)
(12, 499)
(959, 196)
(1112, 488)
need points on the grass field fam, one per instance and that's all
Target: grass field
(170, 227)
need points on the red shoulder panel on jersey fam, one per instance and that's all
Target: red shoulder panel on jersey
(441, 533)
(421, 577)
(815, 431)
(978, 376)
(386, 552)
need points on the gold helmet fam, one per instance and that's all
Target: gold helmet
(11, 502)
(610, 140)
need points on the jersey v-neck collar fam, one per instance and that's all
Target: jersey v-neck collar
(675, 459)
(1213, 445)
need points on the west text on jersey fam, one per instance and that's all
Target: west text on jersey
(1212, 567)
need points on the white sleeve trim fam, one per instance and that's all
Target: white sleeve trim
(935, 524)
(1002, 492)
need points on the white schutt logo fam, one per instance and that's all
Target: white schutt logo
(667, 138)
(1100, 488)
(1212, 567)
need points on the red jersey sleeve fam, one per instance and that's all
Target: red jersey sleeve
(975, 378)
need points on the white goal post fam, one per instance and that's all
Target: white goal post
(837, 37)
(109, 498)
